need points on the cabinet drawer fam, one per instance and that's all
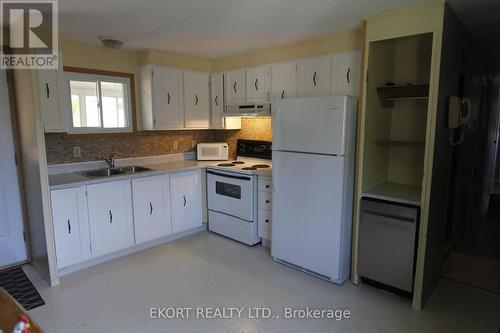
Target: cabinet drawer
(265, 185)
(265, 200)
(264, 219)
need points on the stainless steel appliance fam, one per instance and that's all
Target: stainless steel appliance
(212, 151)
(387, 235)
(232, 192)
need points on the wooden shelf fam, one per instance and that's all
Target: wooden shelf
(418, 144)
(400, 193)
(389, 94)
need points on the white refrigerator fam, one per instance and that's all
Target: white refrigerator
(313, 179)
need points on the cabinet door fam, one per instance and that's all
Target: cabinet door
(110, 216)
(196, 100)
(151, 197)
(217, 99)
(185, 194)
(168, 110)
(52, 113)
(315, 75)
(258, 84)
(283, 80)
(234, 82)
(71, 228)
(346, 73)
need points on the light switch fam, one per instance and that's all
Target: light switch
(176, 145)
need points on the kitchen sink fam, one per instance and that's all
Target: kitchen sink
(100, 173)
(133, 169)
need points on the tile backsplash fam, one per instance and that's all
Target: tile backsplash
(60, 146)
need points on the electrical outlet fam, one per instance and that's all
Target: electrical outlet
(193, 144)
(77, 152)
(176, 145)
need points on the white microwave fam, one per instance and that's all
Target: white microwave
(214, 151)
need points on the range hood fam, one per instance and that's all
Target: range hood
(249, 109)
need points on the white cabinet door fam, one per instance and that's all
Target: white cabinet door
(346, 73)
(283, 80)
(314, 76)
(110, 216)
(185, 195)
(168, 109)
(258, 84)
(234, 82)
(71, 226)
(196, 100)
(151, 196)
(217, 99)
(50, 88)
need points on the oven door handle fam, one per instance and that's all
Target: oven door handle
(228, 176)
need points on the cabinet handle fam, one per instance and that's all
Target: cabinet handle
(196, 100)
(255, 84)
(47, 90)
(348, 72)
(185, 201)
(267, 221)
(150, 208)
(267, 201)
(110, 217)
(314, 79)
(283, 94)
(234, 86)
(216, 100)
(168, 98)
(69, 227)
(267, 186)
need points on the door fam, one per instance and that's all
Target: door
(110, 216)
(12, 245)
(314, 75)
(168, 109)
(231, 194)
(235, 82)
(185, 194)
(313, 125)
(217, 99)
(307, 211)
(52, 113)
(258, 84)
(345, 73)
(71, 226)
(283, 80)
(196, 100)
(151, 196)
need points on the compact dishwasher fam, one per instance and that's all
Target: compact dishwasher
(387, 236)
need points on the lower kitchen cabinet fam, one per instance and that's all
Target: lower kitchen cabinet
(110, 217)
(185, 196)
(151, 196)
(71, 226)
(264, 214)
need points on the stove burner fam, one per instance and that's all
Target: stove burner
(249, 168)
(261, 166)
(226, 164)
(238, 162)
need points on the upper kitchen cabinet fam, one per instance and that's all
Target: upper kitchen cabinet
(235, 83)
(258, 84)
(162, 98)
(346, 73)
(217, 105)
(54, 99)
(196, 100)
(283, 80)
(314, 76)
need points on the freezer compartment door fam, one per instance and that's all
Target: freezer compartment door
(307, 211)
(311, 125)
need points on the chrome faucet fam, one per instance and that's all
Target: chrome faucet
(110, 160)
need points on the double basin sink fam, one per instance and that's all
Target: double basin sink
(109, 172)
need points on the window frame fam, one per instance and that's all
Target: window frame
(76, 74)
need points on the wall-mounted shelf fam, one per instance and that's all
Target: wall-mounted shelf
(418, 144)
(400, 193)
(389, 94)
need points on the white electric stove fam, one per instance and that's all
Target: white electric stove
(232, 191)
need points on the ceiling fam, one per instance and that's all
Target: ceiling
(481, 18)
(213, 28)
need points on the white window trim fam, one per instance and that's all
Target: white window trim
(68, 76)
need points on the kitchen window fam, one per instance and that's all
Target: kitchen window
(99, 103)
